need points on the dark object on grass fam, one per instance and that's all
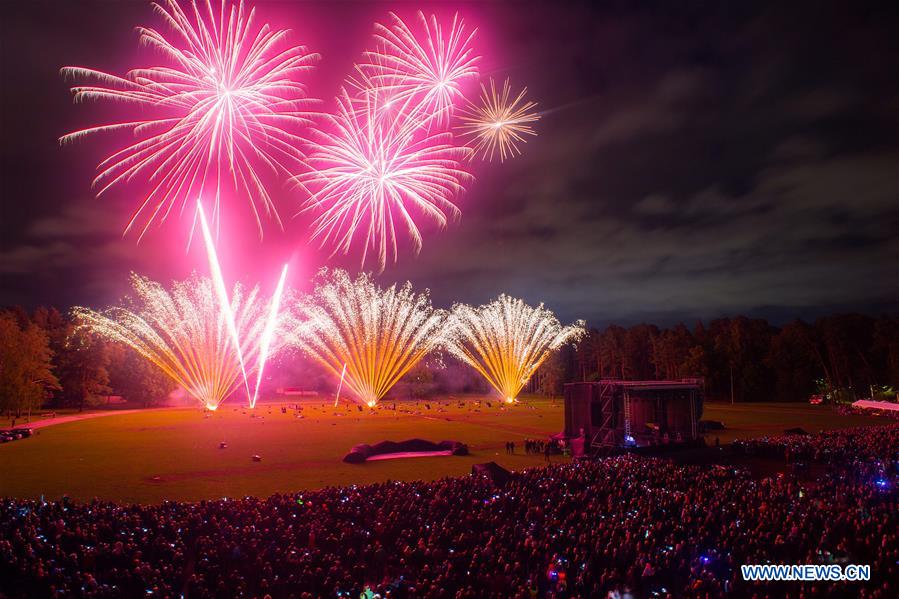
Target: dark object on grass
(711, 425)
(497, 475)
(796, 431)
(360, 453)
(14, 434)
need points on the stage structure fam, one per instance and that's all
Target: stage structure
(605, 416)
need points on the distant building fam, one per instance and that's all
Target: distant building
(296, 391)
(612, 414)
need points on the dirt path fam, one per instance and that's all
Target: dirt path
(45, 422)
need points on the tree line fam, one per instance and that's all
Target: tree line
(47, 361)
(842, 357)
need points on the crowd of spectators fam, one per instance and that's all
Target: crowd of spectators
(844, 446)
(541, 446)
(628, 524)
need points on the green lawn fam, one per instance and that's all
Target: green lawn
(174, 453)
(744, 421)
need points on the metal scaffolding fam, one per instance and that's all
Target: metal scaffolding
(604, 440)
(614, 414)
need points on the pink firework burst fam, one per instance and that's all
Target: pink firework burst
(227, 102)
(422, 72)
(371, 172)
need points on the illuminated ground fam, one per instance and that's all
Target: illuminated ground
(174, 453)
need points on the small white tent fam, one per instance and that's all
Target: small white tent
(876, 405)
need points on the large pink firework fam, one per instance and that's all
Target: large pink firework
(227, 101)
(370, 172)
(423, 72)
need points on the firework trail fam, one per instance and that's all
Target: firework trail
(370, 175)
(182, 331)
(218, 280)
(268, 334)
(340, 385)
(226, 103)
(422, 72)
(225, 305)
(507, 340)
(499, 123)
(378, 334)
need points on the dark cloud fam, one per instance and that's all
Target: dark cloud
(692, 161)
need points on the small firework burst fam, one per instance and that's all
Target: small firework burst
(499, 124)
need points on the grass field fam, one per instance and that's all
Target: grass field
(745, 421)
(174, 453)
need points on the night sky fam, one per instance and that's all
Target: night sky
(694, 160)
